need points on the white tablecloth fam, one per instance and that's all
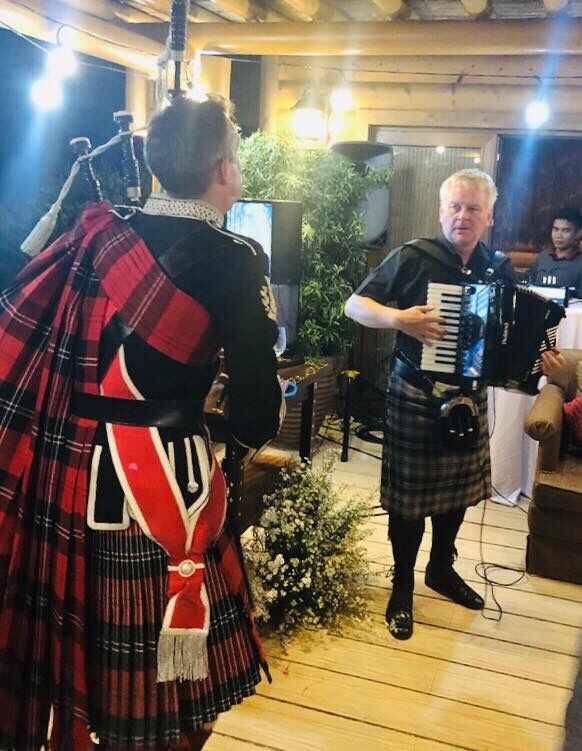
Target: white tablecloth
(513, 453)
(570, 331)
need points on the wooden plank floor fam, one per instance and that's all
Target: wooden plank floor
(461, 682)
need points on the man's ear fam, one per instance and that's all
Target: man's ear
(221, 171)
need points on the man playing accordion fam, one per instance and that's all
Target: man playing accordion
(421, 475)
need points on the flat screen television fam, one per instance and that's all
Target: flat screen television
(276, 225)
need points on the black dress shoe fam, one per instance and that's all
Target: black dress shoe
(399, 614)
(450, 584)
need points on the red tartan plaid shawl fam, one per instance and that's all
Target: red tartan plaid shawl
(51, 322)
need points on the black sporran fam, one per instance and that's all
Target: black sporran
(459, 423)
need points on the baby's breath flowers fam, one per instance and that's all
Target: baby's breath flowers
(306, 566)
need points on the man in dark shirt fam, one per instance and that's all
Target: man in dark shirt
(420, 475)
(562, 265)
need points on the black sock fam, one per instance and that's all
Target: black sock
(445, 528)
(405, 536)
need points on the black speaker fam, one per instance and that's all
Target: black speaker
(287, 299)
(375, 208)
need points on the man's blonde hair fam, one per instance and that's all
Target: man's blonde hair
(474, 178)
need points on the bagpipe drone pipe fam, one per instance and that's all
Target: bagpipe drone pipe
(91, 189)
(130, 169)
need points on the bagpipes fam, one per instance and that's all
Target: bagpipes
(130, 169)
(83, 164)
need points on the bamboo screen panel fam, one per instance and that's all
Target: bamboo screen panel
(414, 189)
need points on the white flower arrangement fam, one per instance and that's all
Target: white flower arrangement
(305, 564)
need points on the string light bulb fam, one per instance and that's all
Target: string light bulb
(62, 62)
(341, 99)
(310, 113)
(537, 112)
(309, 124)
(47, 94)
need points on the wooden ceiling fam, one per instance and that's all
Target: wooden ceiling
(398, 41)
(240, 11)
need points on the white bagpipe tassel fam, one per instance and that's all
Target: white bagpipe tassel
(44, 228)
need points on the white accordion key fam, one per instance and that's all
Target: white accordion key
(447, 299)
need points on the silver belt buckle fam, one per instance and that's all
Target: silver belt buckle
(444, 390)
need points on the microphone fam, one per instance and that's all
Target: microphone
(129, 163)
(82, 147)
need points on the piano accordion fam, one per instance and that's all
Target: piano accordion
(496, 334)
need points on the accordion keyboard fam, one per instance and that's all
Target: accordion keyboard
(443, 355)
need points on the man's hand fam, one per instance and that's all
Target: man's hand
(552, 362)
(421, 323)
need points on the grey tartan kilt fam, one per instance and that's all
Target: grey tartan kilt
(421, 476)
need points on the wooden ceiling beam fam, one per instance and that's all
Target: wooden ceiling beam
(311, 10)
(393, 9)
(241, 9)
(329, 12)
(307, 10)
(161, 9)
(555, 6)
(245, 10)
(477, 8)
(263, 11)
(487, 38)
(109, 10)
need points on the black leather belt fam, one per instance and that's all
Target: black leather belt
(415, 377)
(153, 413)
(412, 375)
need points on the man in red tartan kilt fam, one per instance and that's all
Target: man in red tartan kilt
(125, 618)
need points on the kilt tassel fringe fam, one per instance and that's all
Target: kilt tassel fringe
(182, 656)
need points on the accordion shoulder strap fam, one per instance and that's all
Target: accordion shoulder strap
(438, 252)
(434, 249)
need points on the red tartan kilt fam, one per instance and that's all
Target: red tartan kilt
(127, 598)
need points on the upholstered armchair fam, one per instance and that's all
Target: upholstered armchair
(554, 546)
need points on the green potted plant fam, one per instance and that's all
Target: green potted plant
(331, 189)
